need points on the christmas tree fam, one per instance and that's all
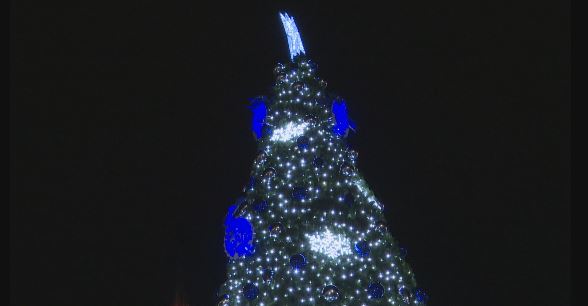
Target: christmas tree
(308, 230)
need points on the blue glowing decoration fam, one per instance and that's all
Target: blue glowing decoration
(420, 296)
(238, 235)
(342, 121)
(260, 206)
(375, 291)
(299, 193)
(259, 110)
(362, 248)
(250, 291)
(298, 261)
(302, 142)
(294, 40)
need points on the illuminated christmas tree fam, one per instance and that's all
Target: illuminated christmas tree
(308, 230)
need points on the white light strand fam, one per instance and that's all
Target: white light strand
(330, 244)
(289, 131)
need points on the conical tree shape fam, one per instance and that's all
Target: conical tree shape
(308, 230)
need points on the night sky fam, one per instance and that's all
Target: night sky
(130, 137)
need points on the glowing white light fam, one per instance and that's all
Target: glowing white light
(330, 244)
(289, 131)
(294, 40)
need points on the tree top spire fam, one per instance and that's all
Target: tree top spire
(294, 40)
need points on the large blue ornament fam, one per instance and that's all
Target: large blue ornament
(238, 235)
(375, 291)
(299, 193)
(349, 199)
(342, 122)
(267, 275)
(420, 296)
(250, 291)
(362, 248)
(302, 142)
(298, 261)
(318, 162)
(405, 294)
(330, 293)
(259, 110)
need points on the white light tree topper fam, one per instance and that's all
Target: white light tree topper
(330, 244)
(294, 40)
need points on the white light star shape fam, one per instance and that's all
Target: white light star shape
(330, 244)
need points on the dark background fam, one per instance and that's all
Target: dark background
(129, 139)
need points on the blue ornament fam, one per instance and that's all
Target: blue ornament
(224, 300)
(420, 296)
(317, 162)
(375, 291)
(349, 198)
(260, 206)
(259, 110)
(269, 173)
(267, 275)
(303, 142)
(405, 294)
(276, 229)
(342, 122)
(250, 291)
(238, 235)
(346, 169)
(362, 248)
(298, 86)
(381, 227)
(299, 193)
(330, 293)
(298, 261)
